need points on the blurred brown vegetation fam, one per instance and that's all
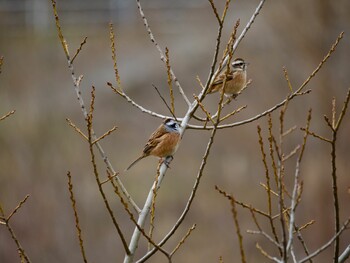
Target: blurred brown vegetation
(37, 147)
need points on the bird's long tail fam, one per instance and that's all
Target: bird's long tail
(134, 162)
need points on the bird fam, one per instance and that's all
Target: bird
(162, 143)
(235, 81)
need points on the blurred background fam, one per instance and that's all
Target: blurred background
(37, 147)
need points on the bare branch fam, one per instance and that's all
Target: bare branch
(105, 135)
(238, 230)
(345, 255)
(114, 55)
(264, 253)
(79, 49)
(77, 129)
(17, 207)
(170, 81)
(166, 104)
(77, 224)
(182, 241)
(7, 115)
(76, 83)
(162, 57)
(328, 244)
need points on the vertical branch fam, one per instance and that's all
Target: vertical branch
(295, 197)
(114, 55)
(238, 230)
(335, 128)
(281, 182)
(1, 62)
(77, 224)
(153, 209)
(268, 190)
(89, 122)
(170, 81)
(76, 83)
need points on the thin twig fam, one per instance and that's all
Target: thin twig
(77, 224)
(238, 230)
(287, 79)
(22, 254)
(153, 206)
(1, 62)
(7, 115)
(162, 57)
(105, 134)
(170, 84)
(166, 104)
(182, 241)
(17, 207)
(89, 121)
(266, 236)
(326, 245)
(114, 55)
(203, 109)
(264, 253)
(79, 49)
(76, 129)
(76, 83)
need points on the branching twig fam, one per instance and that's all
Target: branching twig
(162, 57)
(76, 83)
(22, 254)
(89, 122)
(329, 243)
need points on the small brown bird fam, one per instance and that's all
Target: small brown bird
(236, 79)
(163, 142)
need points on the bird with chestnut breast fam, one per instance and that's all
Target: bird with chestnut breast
(236, 79)
(162, 143)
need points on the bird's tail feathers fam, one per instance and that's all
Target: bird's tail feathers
(134, 162)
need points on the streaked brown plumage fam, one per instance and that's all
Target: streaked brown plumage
(163, 142)
(236, 79)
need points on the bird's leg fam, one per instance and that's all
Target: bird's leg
(167, 160)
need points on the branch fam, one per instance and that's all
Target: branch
(162, 57)
(22, 254)
(89, 123)
(329, 243)
(76, 83)
(189, 202)
(298, 92)
(345, 255)
(7, 115)
(77, 224)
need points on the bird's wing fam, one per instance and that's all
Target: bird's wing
(220, 79)
(154, 140)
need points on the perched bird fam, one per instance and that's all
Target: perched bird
(235, 81)
(163, 142)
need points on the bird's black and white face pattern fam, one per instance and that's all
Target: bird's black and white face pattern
(171, 125)
(239, 64)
